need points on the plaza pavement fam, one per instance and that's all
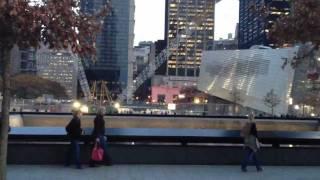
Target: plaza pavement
(160, 172)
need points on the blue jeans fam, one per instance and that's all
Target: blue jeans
(250, 156)
(103, 142)
(73, 152)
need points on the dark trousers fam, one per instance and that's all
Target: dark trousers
(250, 156)
(103, 145)
(73, 152)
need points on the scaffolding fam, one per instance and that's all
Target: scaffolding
(101, 95)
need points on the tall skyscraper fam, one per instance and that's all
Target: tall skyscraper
(254, 25)
(191, 21)
(114, 43)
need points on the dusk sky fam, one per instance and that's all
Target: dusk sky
(150, 17)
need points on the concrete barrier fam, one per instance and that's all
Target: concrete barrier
(170, 122)
(164, 154)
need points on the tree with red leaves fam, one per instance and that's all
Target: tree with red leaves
(302, 28)
(58, 24)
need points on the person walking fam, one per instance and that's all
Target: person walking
(74, 132)
(99, 137)
(251, 144)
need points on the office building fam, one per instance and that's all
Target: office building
(143, 54)
(59, 66)
(140, 59)
(28, 61)
(23, 61)
(254, 25)
(192, 22)
(114, 44)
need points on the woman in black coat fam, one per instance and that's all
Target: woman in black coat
(98, 135)
(99, 126)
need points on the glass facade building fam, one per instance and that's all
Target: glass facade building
(254, 25)
(114, 43)
(192, 22)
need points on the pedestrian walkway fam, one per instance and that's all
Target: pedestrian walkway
(160, 172)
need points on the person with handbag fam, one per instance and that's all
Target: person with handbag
(74, 132)
(100, 141)
(251, 144)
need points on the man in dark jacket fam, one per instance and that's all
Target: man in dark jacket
(74, 132)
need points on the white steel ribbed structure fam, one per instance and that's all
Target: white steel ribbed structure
(253, 73)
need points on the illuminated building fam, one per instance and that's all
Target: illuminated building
(191, 21)
(254, 25)
(59, 66)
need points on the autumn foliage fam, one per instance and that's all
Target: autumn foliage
(56, 23)
(301, 26)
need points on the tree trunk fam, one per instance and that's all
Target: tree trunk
(272, 111)
(5, 109)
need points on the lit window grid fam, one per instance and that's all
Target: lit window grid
(182, 16)
(59, 68)
(253, 29)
